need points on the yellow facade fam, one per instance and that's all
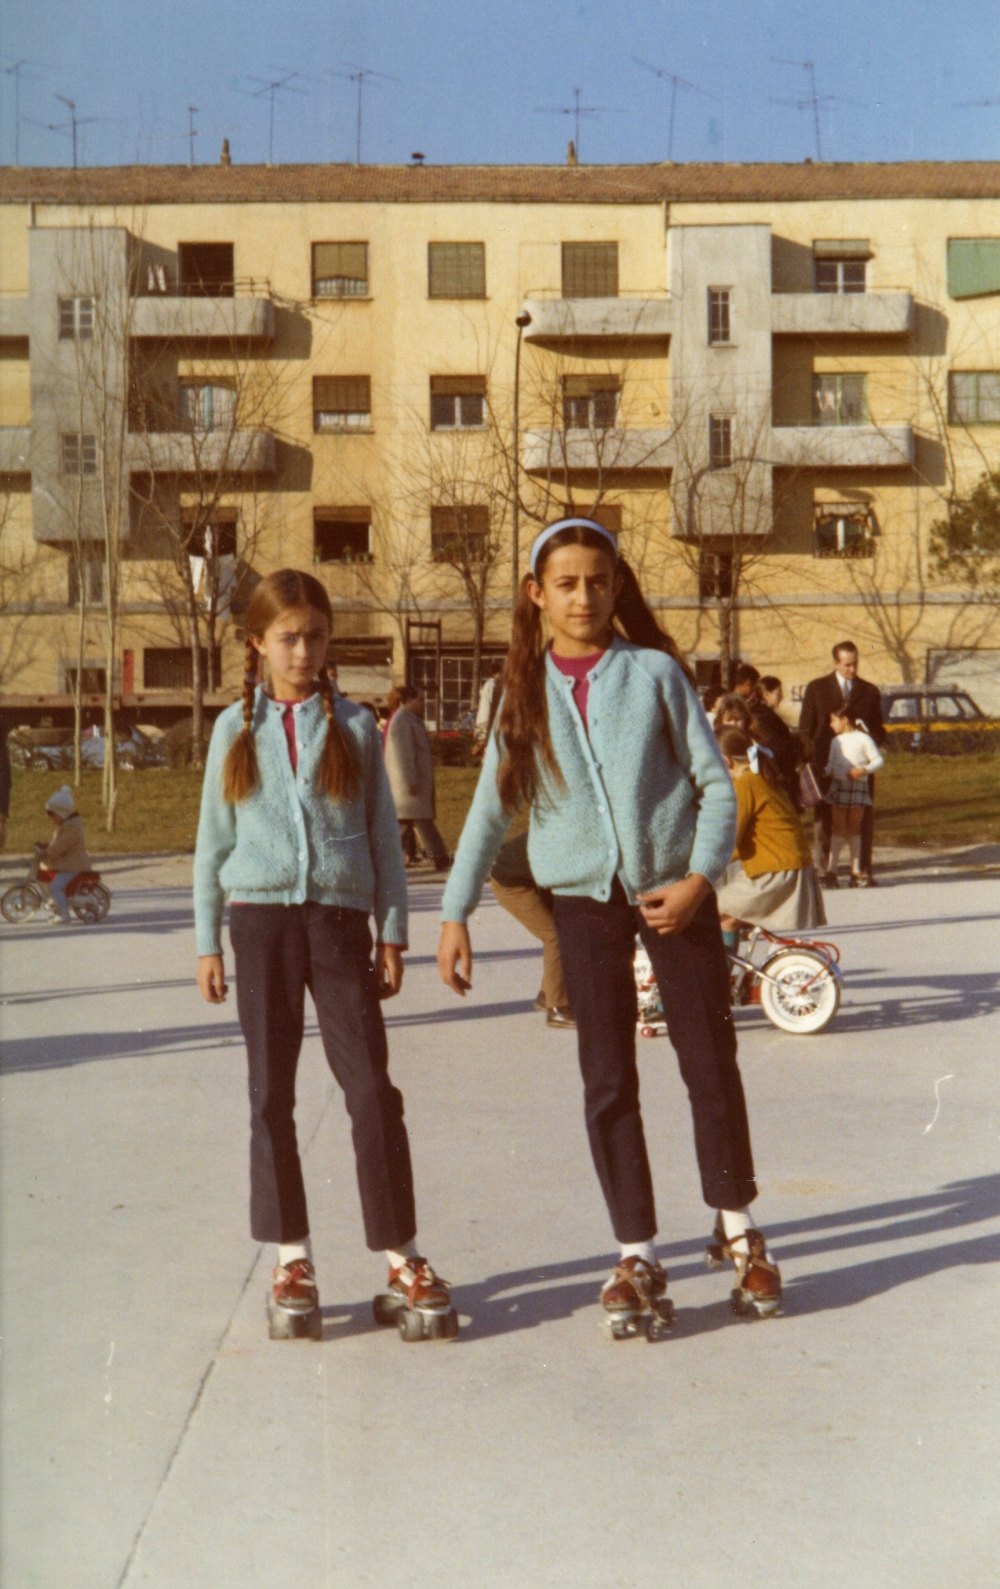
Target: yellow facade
(395, 468)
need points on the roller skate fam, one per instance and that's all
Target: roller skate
(635, 1300)
(418, 1303)
(293, 1303)
(757, 1291)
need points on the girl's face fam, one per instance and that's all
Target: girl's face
(773, 698)
(838, 723)
(577, 591)
(294, 647)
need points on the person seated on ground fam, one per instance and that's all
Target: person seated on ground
(516, 890)
(66, 852)
(771, 881)
(731, 711)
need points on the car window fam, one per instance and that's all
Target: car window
(968, 705)
(901, 708)
(946, 706)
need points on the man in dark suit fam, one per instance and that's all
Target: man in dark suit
(839, 688)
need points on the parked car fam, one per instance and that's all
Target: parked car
(135, 750)
(51, 750)
(927, 717)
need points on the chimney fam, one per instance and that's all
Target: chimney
(571, 153)
(225, 158)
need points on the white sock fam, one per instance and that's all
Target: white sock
(640, 1249)
(288, 1251)
(735, 1222)
(407, 1251)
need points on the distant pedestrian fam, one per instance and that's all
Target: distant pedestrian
(298, 830)
(515, 888)
(409, 762)
(852, 758)
(745, 681)
(842, 687)
(486, 710)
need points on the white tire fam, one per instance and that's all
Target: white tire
(799, 991)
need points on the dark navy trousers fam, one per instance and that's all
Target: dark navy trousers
(597, 944)
(280, 951)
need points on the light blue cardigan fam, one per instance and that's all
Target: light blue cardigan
(647, 797)
(288, 841)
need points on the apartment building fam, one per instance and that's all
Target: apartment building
(772, 380)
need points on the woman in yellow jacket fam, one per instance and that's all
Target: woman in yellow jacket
(771, 881)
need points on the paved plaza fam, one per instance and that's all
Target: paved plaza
(154, 1437)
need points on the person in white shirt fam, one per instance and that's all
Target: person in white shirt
(852, 758)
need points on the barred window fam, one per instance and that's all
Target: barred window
(207, 405)
(715, 575)
(719, 306)
(342, 402)
(590, 270)
(340, 270)
(974, 397)
(720, 442)
(456, 270)
(459, 534)
(211, 534)
(342, 535)
(76, 319)
(590, 402)
(77, 454)
(458, 402)
(844, 529)
(840, 399)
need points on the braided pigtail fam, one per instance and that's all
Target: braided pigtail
(339, 773)
(239, 774)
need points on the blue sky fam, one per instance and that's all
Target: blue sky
(468, 83)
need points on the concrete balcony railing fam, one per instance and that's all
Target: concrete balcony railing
(248, 318)
(238, 452)
(842, 446)
(559, 450)
(872, 314)
(15, 449)
(586, 319)
(13, 314)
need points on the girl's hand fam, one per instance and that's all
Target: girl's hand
(388, 969)
(670, 909)
(454, 951)
(212, 979)
(856, 773)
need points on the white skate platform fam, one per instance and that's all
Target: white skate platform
(153, 1435)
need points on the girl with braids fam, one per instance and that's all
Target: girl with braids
(632, 816)
(298, 829)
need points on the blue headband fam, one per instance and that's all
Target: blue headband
(569, 524)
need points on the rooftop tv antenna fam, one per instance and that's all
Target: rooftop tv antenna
(812, 101)
(576, 110)
(360, 75)
(675, 83)
(192, 132)
(70, 126)
(14, 70)
(272, 86)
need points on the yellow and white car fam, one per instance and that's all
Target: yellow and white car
(927, 717)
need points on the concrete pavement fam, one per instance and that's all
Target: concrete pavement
(153, 1435)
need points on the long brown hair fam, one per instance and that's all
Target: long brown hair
(523, 719)
(338, 773)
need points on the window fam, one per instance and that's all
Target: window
(903, 709)
(590, 270)
(459, 534)
(340, 270)
(206, 269)
(77, 454)
(93, 680)
(719, 305)
(720, 442)
(458, 402)
(170, 667)
(209, 535)
(86, 577)
(342, 535)
(840, 264)
(844, 529)
(715, 574)
(342, 402)
(590, 402)
(207, 405)
(456, 270)
(76, 319)
(840, 399)
(973, 267)
(974, 397)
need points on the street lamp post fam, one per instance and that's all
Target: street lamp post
(523, 319)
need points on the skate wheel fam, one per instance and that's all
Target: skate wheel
(385, 1309)
(283, 1326)
(442, 1326)
(622, 1329)
(410, 1325)
(646, 1031)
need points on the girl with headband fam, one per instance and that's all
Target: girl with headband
(632, 817)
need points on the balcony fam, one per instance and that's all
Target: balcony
(597, 450)
(819, 314)
(233, 452)
(15, 449)
(843, 446)
(13, 314)
(590, 319)
(248, 318)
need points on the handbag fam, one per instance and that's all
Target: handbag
(810, 792)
